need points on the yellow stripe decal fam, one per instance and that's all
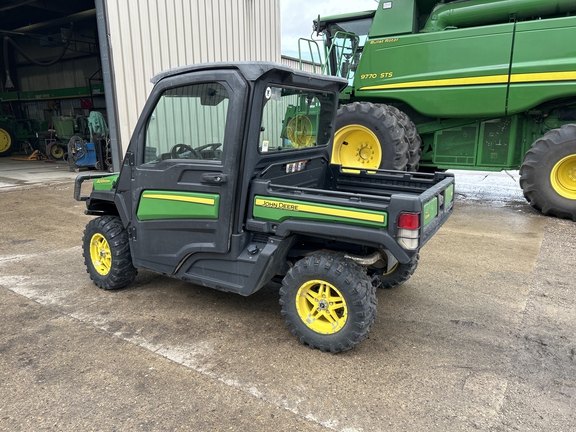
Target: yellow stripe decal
(494, 79)
(544, 76)
(197, 200)
(326, 211)
(489, 79)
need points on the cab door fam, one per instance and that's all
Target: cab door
(185, 154)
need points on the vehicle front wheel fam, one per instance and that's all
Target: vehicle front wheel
(106, 252)
(328, 301)
(548, 173)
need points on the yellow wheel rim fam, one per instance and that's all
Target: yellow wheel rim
(5, 140)
(299, 131)
(391, 270)
(563, 177)
(100, 254)
(321, 307)
(356, 146)
(56, 152)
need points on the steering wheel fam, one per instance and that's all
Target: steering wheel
(212, 147)
(180, 149)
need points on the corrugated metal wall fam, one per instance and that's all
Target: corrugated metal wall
(148, 36)
(306, 65)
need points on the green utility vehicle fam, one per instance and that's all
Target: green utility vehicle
(474, 84)
(212, 192)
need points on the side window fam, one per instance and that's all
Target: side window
(188, 123)
(294, 118)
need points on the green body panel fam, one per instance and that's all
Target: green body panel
(481, 79)
(105, 183)
(553, 76)
(438, 74)
(430, 211)
(278, 210)
(158, 204)
(400, 20)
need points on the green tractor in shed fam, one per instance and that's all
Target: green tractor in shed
(14, 131)
(469, 84)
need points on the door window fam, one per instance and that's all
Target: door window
(294, 118)
(188, 123)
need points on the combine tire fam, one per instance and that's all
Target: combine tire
(548, 173)
(107, 253)
(399, 274)
(328, 302)
(369, 136)
(414, 140)
(7, 141)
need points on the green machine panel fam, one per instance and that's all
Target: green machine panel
(456, 146)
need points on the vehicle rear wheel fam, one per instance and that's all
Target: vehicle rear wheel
(7, 141)
(548, 173)
(369, 136)
(414, 140)
(328, 301)
(106, 252)
(399, 274)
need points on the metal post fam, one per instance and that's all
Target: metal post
(109, 88)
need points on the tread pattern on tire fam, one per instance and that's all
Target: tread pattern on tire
(122, 271)
(362, 304)
(414, 140)
(383, 118)
(400, 275)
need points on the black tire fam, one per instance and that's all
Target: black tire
(399, 274)
(332, 326)
(414, 140)
(548, 173)
(106, 251)
(369, 136)
(7, 141)
(57, 152)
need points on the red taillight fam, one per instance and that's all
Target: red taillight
(409, 221)
(408, 230)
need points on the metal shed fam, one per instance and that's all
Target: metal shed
(117, 46)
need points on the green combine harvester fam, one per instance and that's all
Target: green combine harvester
(470, 84)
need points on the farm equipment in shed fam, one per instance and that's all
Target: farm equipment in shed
(15, 132)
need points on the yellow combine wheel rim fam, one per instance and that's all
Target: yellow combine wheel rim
(5, 140)
(299, 131)
(321, 307)
(100, 254)
(563, 177)
(356, 146)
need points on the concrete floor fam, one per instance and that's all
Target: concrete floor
(19, 174)
(482, 337)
